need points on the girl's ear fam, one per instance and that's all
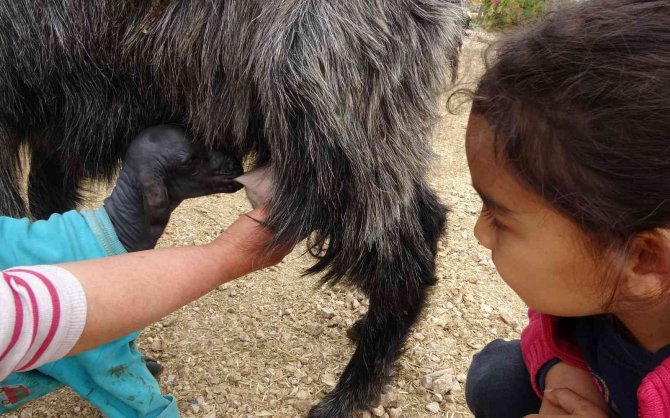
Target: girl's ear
(647, 273)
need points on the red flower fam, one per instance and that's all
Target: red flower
(495, 1)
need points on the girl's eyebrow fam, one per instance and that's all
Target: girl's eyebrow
(491, 203)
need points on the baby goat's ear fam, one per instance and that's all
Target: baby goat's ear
(647, 272)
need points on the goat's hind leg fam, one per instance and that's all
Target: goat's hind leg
(51, 187)
(11, 201)
(398, 292)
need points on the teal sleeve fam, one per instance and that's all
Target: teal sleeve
(71, 236)
(113, 377)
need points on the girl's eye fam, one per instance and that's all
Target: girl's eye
(495, 223)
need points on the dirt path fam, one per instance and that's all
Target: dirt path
(272, 343)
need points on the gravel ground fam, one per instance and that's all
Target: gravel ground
(272, 343)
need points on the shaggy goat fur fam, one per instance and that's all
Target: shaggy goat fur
(339, 96)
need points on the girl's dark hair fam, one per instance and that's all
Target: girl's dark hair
(580, 107)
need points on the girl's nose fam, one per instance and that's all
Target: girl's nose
(484, 233)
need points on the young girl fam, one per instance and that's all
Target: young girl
(569, 148)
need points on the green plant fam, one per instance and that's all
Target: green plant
(503, 13)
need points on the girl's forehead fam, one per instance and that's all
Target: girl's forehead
(479, 147)
(490, 176)
(477, 136)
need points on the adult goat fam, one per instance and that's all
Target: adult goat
(337, 97)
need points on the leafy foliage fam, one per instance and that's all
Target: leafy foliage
(504, 13)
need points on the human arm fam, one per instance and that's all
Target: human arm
(77, 306)
(113, 286)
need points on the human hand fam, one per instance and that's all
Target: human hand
(566, 403)
(580, 381)
(162, 168)
(247, 240)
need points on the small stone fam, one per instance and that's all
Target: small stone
(507, 319)
(433, 407)
(260, 334)
(419, 336)
(171, 379)
(473, 280)
(235, 377)
(26, 413)
(303, 405)
(314, 329)
(439, 373)
(157, 345)
(298, 373)
(461, 378)
(329, 379)
(302, 394)
(395, 412)
(327, 313)
(437, 398)
(377, 411)
(426, 382)
(334, 322)
(442, 385)
(389, 399)
(487, 309)
(77, 409)
(456, 388)
(195, 408)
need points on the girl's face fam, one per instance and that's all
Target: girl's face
(541, 254)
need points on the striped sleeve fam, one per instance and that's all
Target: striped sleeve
(43, 316)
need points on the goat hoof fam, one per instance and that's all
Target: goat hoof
(155, 368)
(331, 408)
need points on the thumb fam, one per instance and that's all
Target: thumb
(573, 403)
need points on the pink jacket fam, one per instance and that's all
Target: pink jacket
(541, 343)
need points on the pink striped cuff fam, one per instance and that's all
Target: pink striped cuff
(44, 311)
